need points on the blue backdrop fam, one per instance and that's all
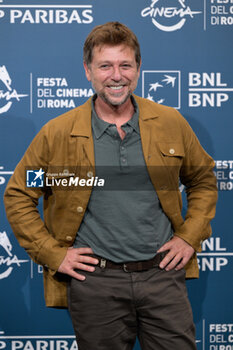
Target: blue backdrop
(187, 56)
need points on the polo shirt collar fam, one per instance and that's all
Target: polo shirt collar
(99, 126)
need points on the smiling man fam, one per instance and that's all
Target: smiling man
(121, 254)
(114, 73)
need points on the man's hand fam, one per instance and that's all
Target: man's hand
(76, 258)
(179, 253)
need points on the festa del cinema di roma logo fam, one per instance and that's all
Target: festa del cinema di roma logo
(10, 260)
(7, 94)
(169, 18)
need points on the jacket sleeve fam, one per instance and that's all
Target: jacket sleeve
(21, 207)
(200, 184)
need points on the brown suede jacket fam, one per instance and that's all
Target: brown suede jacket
(172, 153)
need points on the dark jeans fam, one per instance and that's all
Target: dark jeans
(111, 307)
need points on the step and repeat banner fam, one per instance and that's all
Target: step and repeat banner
(187, 61)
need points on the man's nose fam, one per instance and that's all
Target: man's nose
(116, 73)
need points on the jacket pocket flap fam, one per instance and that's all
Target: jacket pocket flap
(171, 149)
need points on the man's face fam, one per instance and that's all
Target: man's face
(113, 73)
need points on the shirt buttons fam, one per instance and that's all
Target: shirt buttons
(69, 238)
(90, 174)
(79, 209)
(171, 151)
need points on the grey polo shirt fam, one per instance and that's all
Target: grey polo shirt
(124, 220)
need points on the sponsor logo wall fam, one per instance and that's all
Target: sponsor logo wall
(187, 57)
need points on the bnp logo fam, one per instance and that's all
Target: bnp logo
(162, 87)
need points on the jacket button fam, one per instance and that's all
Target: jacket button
(69, 238)
(90, 174)
(171, 151)
(79, 209)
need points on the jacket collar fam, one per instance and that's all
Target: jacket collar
(82, 124)
(146, 108)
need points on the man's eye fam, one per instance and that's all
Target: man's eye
(104, 66)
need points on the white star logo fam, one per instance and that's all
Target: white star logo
(149, 97)
(169, 80)
(155, 86)
(161, 100)
(39, 174)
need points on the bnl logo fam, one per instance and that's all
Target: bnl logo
(207, 90)
(162, 87)
(35, 178)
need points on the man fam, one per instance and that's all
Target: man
(121, 251)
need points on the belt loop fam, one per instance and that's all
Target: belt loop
(103, 263)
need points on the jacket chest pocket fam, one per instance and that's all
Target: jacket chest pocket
(172, 153)
(164, 164)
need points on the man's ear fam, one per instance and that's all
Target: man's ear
(87, 71)
(139, 68)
